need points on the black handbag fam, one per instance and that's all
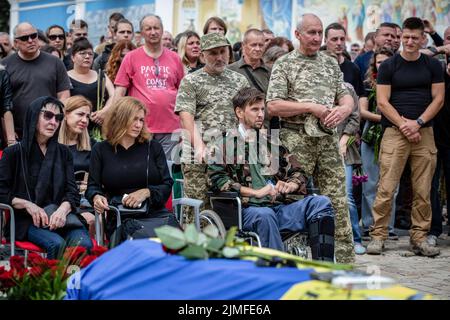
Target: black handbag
(72, 220)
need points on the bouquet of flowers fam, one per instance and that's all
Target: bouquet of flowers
(43, 279)
(359, 176)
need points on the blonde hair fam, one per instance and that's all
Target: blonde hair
(120, 117)
(83, 140)
(182, 43)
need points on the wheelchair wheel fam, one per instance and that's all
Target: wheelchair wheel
(209, 217)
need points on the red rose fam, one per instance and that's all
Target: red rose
(73, 254)
(98, 250)
(35, 259)
(171, 251)
(87, 261)
(17, 263)
(7, 280)
(36, 271)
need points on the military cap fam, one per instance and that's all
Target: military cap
(213, 40)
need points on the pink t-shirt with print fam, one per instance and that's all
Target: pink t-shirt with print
(155, 82)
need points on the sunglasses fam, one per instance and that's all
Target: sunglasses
(27, 37)
(48, 115)
(53, 37)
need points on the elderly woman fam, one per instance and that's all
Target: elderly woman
(74, 134)
(129, 167)
(37, 174)
(189, 51)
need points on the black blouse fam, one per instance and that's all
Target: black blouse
(114, 173)
(81, 158)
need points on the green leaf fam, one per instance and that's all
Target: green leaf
(191, 234)
(229, 239)
(202, 240)
(194, 252)
(230, 252)
(211, 231)
(215, 244)
(171, 237)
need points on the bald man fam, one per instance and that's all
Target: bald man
(33, 73)
(307, 91)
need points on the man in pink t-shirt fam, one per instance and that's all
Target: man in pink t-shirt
(153, 74)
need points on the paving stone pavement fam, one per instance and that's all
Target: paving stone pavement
(427, 275)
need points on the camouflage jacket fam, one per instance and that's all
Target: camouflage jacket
(209, 97)
(255, 167)
(296, 77)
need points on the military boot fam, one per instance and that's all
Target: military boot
(424, 248)
(375, 246)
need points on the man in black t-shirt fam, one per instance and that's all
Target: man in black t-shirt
(410, 92)
(33, 73)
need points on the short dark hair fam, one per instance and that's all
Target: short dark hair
(414, 23)
(78, 23)
(123, 20)
(50, 49)
(335, 26)
(385, 25)
(81, 44)
(116, 16)
(246, 97)
(267, 31)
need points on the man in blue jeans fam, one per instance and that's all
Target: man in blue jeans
(270, 182)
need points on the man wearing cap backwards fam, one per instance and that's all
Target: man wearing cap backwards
(307, 91)
(204, 104)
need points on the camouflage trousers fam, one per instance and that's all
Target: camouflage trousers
(320, 158)
(195, 186)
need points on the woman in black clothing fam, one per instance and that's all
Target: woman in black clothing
(74, 134)
(96, 87)
(128, 166)
(38, 172)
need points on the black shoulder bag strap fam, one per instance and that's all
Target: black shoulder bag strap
(253, 80)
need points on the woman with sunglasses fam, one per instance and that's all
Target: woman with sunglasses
(37, 173)
(96, 87)
(74, 134)
(119, 51)
(57, 38)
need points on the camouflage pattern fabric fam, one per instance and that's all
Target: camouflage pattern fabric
(317, 79)
(209, 99)
(296, 77)
(323, 162)
(213, 40)
(256, 173)
(195, 186)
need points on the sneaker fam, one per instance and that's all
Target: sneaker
(424, 248)
(375, 247)
(366, 236)
(432, 240)
(359, 248)
(392, 236)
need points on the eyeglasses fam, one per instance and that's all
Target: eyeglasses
(156, 62)
(27, 37)
(84, 54)
(53, 37)
(48, 115)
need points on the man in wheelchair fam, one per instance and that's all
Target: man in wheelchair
(269, 181)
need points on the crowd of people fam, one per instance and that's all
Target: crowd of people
(366, 126)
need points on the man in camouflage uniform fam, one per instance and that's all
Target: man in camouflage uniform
(205, 110)
(270, 182)
(304, 87)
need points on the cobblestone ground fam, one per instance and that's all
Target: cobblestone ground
(427, 275)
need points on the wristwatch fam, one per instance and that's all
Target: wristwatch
(434, 50)
(420, 122)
